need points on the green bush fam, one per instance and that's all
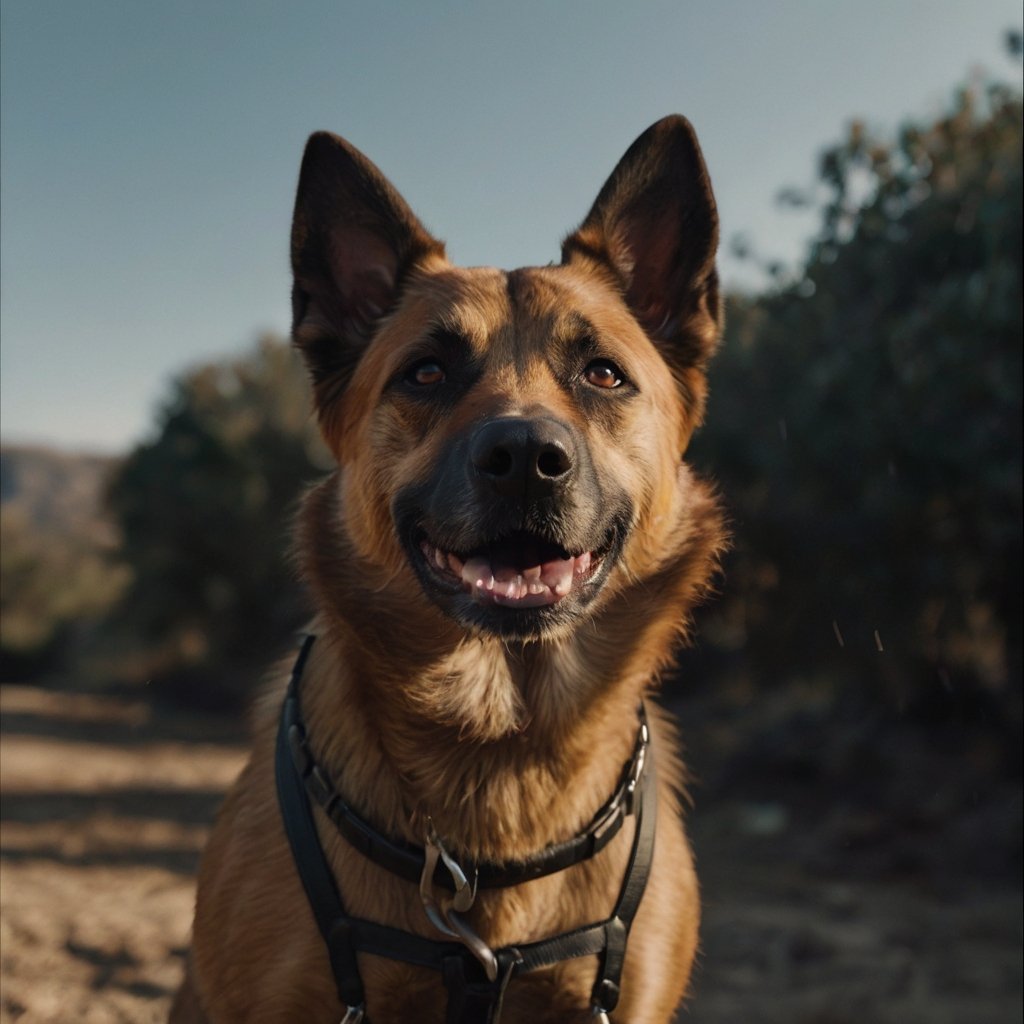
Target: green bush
(865, 425)
(59, 574)
(204, 511)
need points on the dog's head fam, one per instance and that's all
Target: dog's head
(510, 442)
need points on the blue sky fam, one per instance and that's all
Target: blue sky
(150, 151)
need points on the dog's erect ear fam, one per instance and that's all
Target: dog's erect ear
(655, 225)
(354, 239)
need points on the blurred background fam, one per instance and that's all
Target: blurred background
(852, 699)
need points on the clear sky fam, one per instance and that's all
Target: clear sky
(150, 150)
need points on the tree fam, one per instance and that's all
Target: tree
(58, 571)
(866, 423)
(204, 511)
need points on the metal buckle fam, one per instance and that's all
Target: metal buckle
(638, 766)
(445, 914)
(354, 1014)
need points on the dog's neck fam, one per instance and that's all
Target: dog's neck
(471, 732)
(471, 742)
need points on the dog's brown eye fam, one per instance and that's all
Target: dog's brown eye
(427, 373)
(603, 374)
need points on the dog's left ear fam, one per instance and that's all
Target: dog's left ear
(655, 225)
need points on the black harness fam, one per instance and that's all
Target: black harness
(474, 975)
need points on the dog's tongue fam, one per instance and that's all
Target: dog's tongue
(520, 575)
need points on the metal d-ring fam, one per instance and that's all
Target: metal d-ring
(354, 1015)
(445, 914)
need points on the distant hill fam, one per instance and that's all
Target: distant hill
(57, 492)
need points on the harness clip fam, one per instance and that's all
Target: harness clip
(445, 914)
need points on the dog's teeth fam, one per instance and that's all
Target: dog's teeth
(506, 582)
(477, 573)
(532, 587)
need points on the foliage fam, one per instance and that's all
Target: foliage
(204, 511)
(865, 424)
(57, 574)
(53, 589)
(865, 427)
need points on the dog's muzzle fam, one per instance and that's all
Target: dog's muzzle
(513, 532)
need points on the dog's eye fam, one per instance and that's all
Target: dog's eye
(603, 374)
(426, 373)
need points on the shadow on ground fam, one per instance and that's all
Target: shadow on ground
(106, 804)
(851, 888)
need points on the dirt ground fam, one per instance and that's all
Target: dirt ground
(816, 912)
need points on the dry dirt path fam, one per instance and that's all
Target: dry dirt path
(104, 813)
(106, 807)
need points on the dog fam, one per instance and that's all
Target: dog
(446, 823)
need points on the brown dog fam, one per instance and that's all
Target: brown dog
(502, 563)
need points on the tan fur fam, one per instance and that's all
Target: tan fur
(507, 745)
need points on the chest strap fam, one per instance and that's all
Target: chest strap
(472, 997)
(407, 860)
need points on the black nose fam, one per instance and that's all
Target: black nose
(523, 458)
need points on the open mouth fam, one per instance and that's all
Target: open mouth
(521, 570)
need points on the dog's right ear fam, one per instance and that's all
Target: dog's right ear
(354, 239)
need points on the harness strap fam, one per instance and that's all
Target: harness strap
(606, 991)
(395, 944)
(472, 998)
(406, 860)
(316, 876)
